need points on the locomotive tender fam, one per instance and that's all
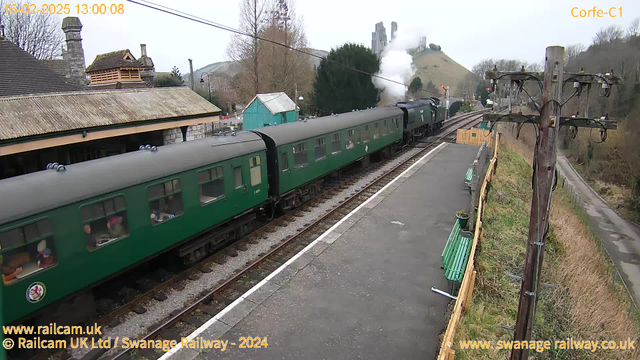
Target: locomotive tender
(63, 231)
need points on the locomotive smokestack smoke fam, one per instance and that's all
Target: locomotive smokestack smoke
(396, 64)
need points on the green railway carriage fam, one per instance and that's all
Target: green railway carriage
(302, 153)
(67, 229)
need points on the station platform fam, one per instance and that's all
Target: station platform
(363, 288)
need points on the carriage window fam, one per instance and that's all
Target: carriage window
(366, 134)
(237, 176)
(376, 131)
(321, 149)
(284, 161)
(384, 128)
(351, 138)
(336, 144)
(300, 158)
(392, 128)
(26, 250)
(165, 201)
(211, 183)
(256, 170)
(397, 127)
(104, 222)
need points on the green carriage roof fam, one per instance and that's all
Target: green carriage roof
(40, 191)
(302, 130)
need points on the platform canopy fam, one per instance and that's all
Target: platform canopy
(59, 113)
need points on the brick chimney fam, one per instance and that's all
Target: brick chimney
(74, 56)
(149, 70)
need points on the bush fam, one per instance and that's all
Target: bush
(163, 80)
(466, 107)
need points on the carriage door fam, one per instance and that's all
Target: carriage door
(238, 182)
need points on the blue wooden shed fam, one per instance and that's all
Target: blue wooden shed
(269, 109)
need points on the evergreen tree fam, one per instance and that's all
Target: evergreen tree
(415, 86)
(175, 72)
(338, 89)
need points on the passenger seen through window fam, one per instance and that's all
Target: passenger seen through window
(26, 250)
(165, 201)
(104, 221)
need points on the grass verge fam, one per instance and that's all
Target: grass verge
(585, 304)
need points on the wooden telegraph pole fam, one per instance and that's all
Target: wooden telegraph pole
(545, 164)
(544, 176)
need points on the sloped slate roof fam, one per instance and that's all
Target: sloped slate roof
(59, 66)
(276, 102)
(24, 116)
(114, 60)
(21, 74)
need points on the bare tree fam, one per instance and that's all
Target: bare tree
(571, 52)
(467, 86)
(286, 68)
(534, 67)
(609, 34)
(246, 50)
(634, 28)
(482, 67)
(502, 64)
(39, 35)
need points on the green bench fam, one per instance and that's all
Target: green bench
(456, 255)
(468, 177)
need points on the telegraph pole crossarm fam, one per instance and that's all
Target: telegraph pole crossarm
(519, 118)
(580, 80)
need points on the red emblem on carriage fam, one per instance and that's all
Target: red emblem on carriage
(36, 292)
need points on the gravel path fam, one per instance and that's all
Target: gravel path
(134, 325)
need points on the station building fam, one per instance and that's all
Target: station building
(50, 112)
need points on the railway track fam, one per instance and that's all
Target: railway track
(183, 322)
(209, 303)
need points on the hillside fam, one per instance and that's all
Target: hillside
(217, 69)
(437, 67)
(230, 68)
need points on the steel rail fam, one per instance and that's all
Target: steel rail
(464, 120)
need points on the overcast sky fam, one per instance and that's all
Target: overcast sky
(468, 31)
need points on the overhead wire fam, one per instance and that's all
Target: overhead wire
(187, 16)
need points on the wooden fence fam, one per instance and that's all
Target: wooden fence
(466, 288)
(473, 136)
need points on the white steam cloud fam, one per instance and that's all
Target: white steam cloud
(396, 64)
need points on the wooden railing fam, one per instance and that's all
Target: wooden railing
(466, 288)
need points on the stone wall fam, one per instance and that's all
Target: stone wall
(194, 132)
(480, 166)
